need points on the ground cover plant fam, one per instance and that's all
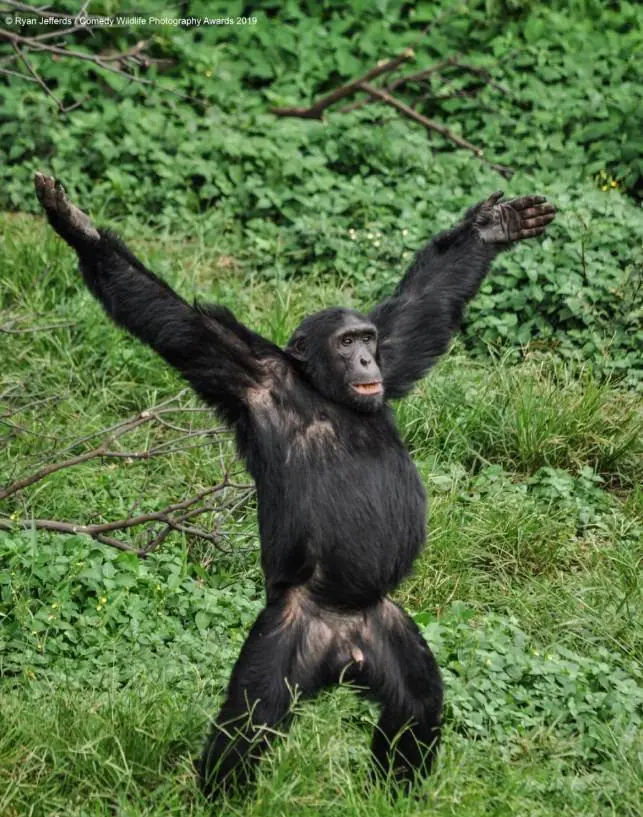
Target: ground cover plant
(527, 435)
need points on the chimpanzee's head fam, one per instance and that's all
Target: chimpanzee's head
(338, 352)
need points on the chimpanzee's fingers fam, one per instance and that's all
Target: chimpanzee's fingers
(69, 221)
(538, 210)
(531, 233)
(494, 198)
(525, 202)
(45, 190)
(538, 221)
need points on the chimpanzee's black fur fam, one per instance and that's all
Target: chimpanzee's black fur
(341, 506)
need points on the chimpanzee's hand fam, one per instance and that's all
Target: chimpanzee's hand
(67, 220)
(504, 222)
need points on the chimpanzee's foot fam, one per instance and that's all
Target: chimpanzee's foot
(67, 220)
(504, 222)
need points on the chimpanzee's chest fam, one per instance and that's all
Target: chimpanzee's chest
(341, 486)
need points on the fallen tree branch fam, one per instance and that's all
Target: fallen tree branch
(178, 516)
(105, 450)
(316, 110)
(107, 62)
(168, 516)
(418, 76)
(431, 124)
(101, 450)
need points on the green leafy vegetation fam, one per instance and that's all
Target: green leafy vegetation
(528, 435)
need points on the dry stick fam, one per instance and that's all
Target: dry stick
(71, 528)
(38, 78)
(316, 110)
(44, 13)
(396, 83)
(151, 413)
(99, 451)
(98, 531)
(54, 397)
(79, 55)
(17, 74)
(431, 124)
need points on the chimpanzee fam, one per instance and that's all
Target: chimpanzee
(341, 505)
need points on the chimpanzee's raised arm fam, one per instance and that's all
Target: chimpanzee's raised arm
(416, 323)
(219, 356)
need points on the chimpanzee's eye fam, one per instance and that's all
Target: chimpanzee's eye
(347, 340)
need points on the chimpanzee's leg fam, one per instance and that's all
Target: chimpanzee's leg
(401, 673)
(277, 661)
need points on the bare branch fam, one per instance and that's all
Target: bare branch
(44, 13)
(104, 449)
(68, 527)
(418, 76)
(37, 76)
(170, 517)
(38, 44)
(16, 74)
(431, 124)
(316, 110)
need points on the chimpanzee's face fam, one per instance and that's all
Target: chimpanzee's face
(338, 351)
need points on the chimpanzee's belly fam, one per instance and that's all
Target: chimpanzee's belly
(357, 524)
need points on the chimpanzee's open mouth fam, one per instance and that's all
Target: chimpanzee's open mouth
(368, 388)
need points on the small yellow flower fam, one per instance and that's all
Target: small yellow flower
(99, 607)
(103, 600)
(54, 606)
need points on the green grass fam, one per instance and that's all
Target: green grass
(527, 591)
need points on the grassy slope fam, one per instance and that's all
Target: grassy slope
(528, 589)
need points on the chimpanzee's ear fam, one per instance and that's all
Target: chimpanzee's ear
(298, 347)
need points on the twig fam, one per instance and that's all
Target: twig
(431, 124)
(101, 62)
(164, 516)
(52, 398)
(104, 448)
(44, 13)
(16, 74)
(161, 408)
(486, 75)
(316, 110)
(37, 77)
(418, 76)
(71, 528)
